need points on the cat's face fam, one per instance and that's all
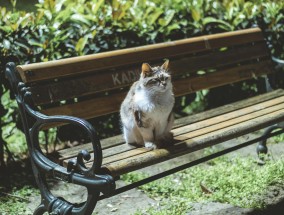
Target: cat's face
(156, 79)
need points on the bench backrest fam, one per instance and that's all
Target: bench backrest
(95, 85)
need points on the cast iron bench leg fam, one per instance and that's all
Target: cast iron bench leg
(262, 145)
(40, 210)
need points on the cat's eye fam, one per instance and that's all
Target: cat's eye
(153, 81)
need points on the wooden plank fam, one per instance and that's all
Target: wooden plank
(90, 108)
(186, 132)
(197, 129)
(222, 77)
(123, 155)
(118, 78)
(216, 59)
(111, 142)
(200, 128)
(263, 107)
(228, 108)
(193, 144)
(113, 59)
(204, 126)
(73, 151)
(104, 105)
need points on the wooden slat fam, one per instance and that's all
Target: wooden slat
(110, 104)
(193, 143)
(113, 59)
(199, 128)
(90, 108)
(182, 133)
(235, 106)
(222, 77)
(117, 78)
(111, 142)
(215, 59)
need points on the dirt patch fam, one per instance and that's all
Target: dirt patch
(216, 208)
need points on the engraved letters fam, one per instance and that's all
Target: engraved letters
(115, 79)
(125, 77)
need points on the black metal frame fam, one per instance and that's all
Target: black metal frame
(94, 179)
(76, 172)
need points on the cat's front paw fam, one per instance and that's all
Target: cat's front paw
(150, 145)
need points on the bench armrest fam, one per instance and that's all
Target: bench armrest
(76, 172)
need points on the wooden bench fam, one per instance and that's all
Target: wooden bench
(71, 90)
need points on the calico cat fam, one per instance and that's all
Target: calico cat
(146, 112)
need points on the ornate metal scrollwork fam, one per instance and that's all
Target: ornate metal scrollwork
(76, 172)
(78, 163)
(59, 206)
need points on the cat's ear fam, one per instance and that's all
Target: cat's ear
(146, 70)
(165, 66)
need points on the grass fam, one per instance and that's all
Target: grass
(278, 138)
(15, 202)
(237, 181)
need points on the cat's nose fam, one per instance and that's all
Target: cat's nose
(163, 83)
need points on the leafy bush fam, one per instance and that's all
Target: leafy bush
(65, 28)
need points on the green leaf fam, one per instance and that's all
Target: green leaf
(81, 44)
(154, 16)
(6, 28)
(6, 44)
(172, 27)
(48, 14)
(64, 15)
(80, 18)
(35, 43)
(98, 5)
(59, 4)
(211, 20)
(25, 20)
(168, 18)
(195, 14)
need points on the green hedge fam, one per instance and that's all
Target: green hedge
(65, 28)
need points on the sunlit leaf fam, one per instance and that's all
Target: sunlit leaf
(81, 44)
(48, 14)
(168, 18)
(222, 24)
(195, 14)
(172, 27)
(6, 44)
(98, 5)
(6, 28)
(80, 18)
(152, 18)
(59, 4)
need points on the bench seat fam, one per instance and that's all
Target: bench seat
(191, 133)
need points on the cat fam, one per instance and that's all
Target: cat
(147, 110)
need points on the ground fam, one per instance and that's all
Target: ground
(136, 200)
